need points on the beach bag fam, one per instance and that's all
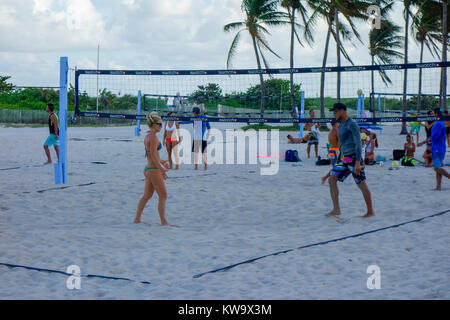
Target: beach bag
(323, 162)
(398, 154)
(291, 156)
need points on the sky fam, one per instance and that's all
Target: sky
(145, 35)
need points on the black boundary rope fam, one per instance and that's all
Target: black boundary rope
(230, 266)
(318, 244)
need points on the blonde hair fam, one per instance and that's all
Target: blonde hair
(153, 118)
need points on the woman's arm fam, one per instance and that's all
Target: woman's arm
(154, 154)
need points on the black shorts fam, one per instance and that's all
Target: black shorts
(313, 140)
(196, 145)
(343, 169)
(447, 130)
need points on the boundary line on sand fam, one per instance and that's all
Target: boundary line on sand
(317, 244)
(233, 265)
(69, 274)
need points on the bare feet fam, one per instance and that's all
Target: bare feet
(48, 162)
(324, 179)
(137, 221)
(196, 167)
(177, 167)
(437, 189)
(332, 214)
(206, 167)
(368, 214)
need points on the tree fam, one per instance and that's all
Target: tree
(426, 31)
(407, 13)
(210, 91)
(329, 10)
(383, 43)
(259, 14)
(292, 6)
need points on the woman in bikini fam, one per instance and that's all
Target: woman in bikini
(170, 140)
(155, 171)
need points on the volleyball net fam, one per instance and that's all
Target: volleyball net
(237, 95)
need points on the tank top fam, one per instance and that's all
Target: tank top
(51, 127)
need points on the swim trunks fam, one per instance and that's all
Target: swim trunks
(346, 166)
(438, 159)
(51, 141)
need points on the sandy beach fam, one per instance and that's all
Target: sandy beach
(225, 215)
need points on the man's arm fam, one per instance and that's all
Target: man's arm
(357, 140)
(55, 124)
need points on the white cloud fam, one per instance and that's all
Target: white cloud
(142, 34)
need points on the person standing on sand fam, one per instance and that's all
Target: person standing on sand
(350, 147)
(447, 128)
(333, 150)
(170, 140)
(314, 129)
(53, 139)
(155, 171)
(438, 148)
(201, 135)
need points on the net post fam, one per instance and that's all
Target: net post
(138, 122)
(302, 112)
(60, 167)
(358, 107)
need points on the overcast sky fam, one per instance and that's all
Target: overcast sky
(143, 34)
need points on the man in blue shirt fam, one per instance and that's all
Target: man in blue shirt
(438, 148)
(350, 163)
(201, 135)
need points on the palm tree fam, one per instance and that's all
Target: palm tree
(426, 31)
(408, 5)
(382, 45)
(444, 53)
(259, 13)
(329, 10)
(292, 6)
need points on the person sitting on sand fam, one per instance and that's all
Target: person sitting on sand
(371, 144)
(305, 139)
(410, 148)
(438, 149)
(53, 139)
(155, 170)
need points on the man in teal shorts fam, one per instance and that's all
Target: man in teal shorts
(53, 138)
(414, 127)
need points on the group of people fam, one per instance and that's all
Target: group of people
(155, 171)
(349, 147)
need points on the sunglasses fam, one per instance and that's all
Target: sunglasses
(159, 124)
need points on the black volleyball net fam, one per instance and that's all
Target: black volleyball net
(237, 95)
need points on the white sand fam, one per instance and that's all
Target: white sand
(227, 215)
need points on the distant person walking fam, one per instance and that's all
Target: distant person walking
(350, 163)
(53, 138)
(314, 140)
(438, 148)
(201, 135)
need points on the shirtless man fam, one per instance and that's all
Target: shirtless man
(333, 151)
